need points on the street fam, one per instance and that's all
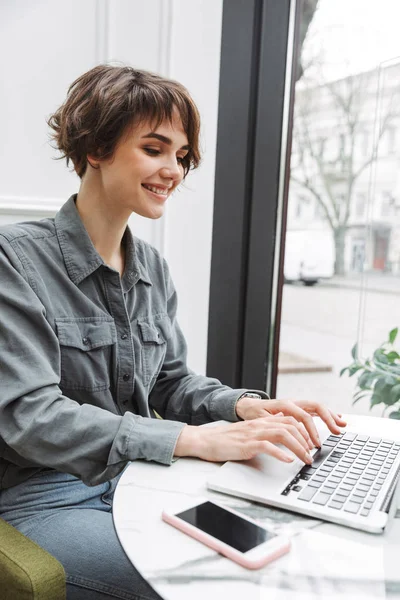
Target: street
(323, 323)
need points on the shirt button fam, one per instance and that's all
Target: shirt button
(85, 341)
(124, 336)
(126, 377)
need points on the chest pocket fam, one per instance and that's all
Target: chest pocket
(154, 334)
(86, 352)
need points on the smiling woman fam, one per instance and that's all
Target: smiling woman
(92, 348)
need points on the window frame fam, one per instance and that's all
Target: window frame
(258, 51)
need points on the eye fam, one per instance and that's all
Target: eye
(152, 151)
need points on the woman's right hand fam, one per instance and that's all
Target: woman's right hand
(246, 439)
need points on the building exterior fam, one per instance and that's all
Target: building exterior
(345, 177)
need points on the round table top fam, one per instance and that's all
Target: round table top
(326, 561)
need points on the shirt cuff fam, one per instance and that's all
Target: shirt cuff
(223, 405)
(151, 439)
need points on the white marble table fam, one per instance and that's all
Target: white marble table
(326, 561)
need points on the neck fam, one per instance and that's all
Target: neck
(105, 228)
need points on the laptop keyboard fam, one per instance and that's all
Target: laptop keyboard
(347, 473)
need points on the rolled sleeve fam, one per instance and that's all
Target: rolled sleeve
(223, 405)
(149, 439)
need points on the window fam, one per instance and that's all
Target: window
(341, 256)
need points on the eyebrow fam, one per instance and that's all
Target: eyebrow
(164, 139)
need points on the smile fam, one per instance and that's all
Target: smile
(155, 190)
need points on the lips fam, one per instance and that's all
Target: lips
(160, 191)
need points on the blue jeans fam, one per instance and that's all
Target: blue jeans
(73, 522)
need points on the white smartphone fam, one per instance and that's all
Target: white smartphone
(223, 529)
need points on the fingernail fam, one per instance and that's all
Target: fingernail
(319, 441)
(309, 457)
(288, 458)
(310, 444)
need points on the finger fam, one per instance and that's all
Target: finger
(311, 445)
(284, 436)
(304, 417)
(301, 432)
(338, 419)
(325, 414)
(332, 419)
(266, 447)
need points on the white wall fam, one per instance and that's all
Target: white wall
(44, 46)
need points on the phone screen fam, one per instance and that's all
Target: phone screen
(225, 526)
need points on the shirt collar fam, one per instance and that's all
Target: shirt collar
(81, 257)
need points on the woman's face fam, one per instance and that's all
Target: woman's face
(145, 169)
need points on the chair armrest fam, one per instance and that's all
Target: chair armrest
(28, 572)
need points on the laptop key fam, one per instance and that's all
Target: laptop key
(335, 479)
(307, 494)
(363, 487)
(321, 499)
(321, 455)
(327, 490)
(343, 493)
(356, 499)
(308, 469)
(335, 504)
(365, 512)
(352, 507)
(347, 487)
(314, 484)
(320, 478)
(349, 436)
(359, 493)
(342, 471)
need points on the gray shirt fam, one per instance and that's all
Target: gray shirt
(87, 356)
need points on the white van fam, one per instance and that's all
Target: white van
(309, 255)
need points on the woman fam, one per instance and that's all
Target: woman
(91, 349)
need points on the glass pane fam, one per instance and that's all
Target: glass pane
(342, 258)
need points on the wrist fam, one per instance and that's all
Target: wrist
(189, 442)
(245, 400)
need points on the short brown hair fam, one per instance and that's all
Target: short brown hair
(105, 102)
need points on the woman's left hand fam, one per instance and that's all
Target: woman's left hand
(302, 410)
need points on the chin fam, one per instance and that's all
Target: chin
(152, 214)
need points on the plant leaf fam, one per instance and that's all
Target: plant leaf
(354, 351)
(393, 335)
(343, 371)
(395, 414)
(395, 393)
(375, 399)
(393, 355)
(380, 357)
(365, 380)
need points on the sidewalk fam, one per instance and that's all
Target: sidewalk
(382, 283)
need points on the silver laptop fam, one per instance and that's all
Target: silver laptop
(352, 480)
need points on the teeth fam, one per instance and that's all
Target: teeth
(156, 190)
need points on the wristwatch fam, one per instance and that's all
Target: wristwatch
(250, 395)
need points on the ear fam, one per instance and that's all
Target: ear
(93, 162)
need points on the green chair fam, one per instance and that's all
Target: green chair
(27, 572)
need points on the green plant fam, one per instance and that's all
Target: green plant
(379, 376)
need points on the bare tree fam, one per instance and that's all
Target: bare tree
(331, 124)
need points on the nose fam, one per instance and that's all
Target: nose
(172, 170)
